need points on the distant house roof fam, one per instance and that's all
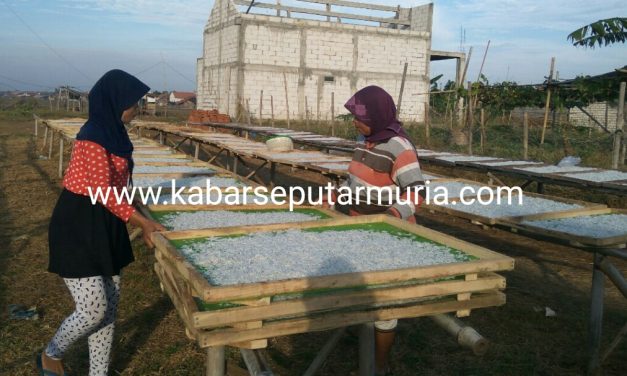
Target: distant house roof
(179, 96)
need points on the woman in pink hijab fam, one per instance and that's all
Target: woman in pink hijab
(388, 159)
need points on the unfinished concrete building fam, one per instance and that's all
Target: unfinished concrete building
(286, 61)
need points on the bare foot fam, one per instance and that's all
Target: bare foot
(51, 364)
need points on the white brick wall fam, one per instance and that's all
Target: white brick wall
(598, 110)
(327, 49)
(272, 46)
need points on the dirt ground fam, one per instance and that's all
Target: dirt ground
(150, 338)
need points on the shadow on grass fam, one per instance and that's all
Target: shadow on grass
(136, 330)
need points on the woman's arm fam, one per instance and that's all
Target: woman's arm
(147, 226)
(408, 177)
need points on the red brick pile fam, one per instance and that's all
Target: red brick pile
(208, 116)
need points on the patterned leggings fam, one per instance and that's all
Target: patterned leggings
(96, 301)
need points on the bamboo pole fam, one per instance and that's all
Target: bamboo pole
(60, 156)
(366, 349)
(261, 108)
(43, 147)
(463, 77)
(427, 124)
(272, 109)
(457, 106)
(324, 353)
(525, 135)
(485, 54)
(446, 109)
(50, 144)
(483, 133)
(228, 95)
(287, 103)
(215, 365)
(333, 114)
(248, 111)
(400, 94)
(548, 102)
(618, 132)
(469, 118)
(306, 113)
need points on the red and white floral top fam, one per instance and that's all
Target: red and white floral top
(93, 166)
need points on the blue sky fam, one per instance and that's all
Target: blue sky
(160, 40)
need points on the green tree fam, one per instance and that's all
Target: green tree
(602, 32)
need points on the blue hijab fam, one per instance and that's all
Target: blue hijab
(114, 93)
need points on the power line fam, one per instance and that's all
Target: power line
(179, 73)
(24, 82)
(9, 86)
(147, 69)
(44, 42)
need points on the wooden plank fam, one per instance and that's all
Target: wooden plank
(586, 206)
(181, 287)
(258, 343)
(186, 306)
(181, 163)
(169, 289)
(186, 270)
(173, 174)
(568, 237)
(341, 319)
(353, 4)
(149, 156)
(466, 295)
(195, 208)
(433, 235)
(488, 260)
(224, 317)
(319, 12)
(252, 344)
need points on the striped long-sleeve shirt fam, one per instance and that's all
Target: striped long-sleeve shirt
(392, 164)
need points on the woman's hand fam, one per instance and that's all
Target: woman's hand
(392, 212)
(147, 229)
(147, 226)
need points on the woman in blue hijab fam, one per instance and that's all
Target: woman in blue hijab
(88, 240)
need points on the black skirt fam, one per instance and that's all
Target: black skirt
(86, 240)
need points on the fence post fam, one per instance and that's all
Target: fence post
(272, 109)
(287, 103)
(483, 132)
(333, 114)
(548, 102)
(469, 118)
(306, 113)
(525, 135)
(427, 123)
(620, 120)
(260, 108)
(248, 111)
